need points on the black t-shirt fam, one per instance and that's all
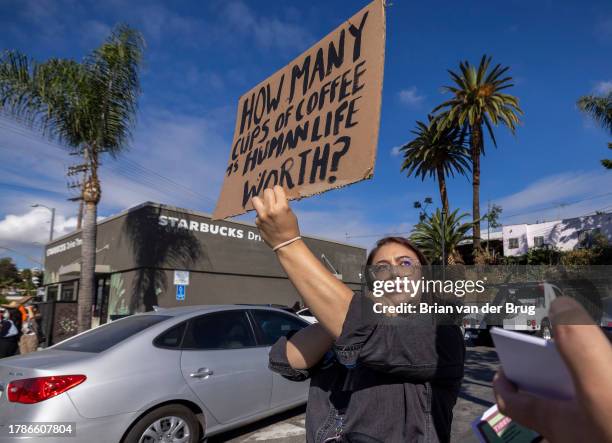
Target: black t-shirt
(393, 380)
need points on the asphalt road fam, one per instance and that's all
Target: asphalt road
(476, 396)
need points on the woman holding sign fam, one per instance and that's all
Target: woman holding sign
(370, 381)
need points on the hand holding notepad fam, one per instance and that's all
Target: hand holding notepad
(536, 391)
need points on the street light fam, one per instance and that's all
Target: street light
(38, 205)
(43, 253)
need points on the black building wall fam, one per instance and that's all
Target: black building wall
(228, 262)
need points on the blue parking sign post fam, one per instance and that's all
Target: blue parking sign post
(180, 292)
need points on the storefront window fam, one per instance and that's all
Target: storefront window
(69, 291)
(52, 292)
(101, 302)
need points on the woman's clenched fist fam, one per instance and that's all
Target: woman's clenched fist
(276, 221)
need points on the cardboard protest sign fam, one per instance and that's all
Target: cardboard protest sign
(313, 125)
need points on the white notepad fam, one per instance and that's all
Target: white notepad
(533, 364)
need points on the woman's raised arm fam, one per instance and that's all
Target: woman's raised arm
(327, 297)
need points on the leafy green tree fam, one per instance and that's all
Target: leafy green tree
(9, 274)
(429, 234)
(436, 153)
(478, 100)
(600, 109)
(492, 217)
(89, 106)
(26, 280)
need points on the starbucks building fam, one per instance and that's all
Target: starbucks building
(157, 255)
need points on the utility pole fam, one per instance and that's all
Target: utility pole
(52, 225)
(74, 170)
(38, 205)
(488, 226)
(443, 222)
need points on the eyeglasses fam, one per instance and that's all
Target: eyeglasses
(405, 268)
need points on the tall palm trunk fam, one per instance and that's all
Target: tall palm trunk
(476, 144)
(88, 266)
(443, 191)
(91, 198)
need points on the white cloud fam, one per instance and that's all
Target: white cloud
(267, 32)
(95, 32)
(395, 151)
(603, 30)
(33, 226)
(568, 194)
(23, 235)
(174, 158)
(603, 87)
(355, 227)
(411, 97)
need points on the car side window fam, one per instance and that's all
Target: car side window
(274, 325)
(172, 338)
(219, 330)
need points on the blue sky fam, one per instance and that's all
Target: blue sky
(201, 56)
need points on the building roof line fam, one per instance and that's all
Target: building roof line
(190, 212)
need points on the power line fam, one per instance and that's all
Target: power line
(557, 205)
(604, 210)
(33, 260)
(126, 167)
(510, 216)
(135, 179)
(381, 235)
(124, 161)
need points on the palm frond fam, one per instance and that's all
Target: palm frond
(599, 108)
(431, 232)
(479, 98)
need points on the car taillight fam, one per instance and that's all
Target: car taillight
(34, 390)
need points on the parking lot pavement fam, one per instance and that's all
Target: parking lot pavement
(476, 396)
(287, 427)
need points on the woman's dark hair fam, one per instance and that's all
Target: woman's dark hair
(400, 241)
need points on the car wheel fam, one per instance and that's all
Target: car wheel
(546, 330)
(170, 423)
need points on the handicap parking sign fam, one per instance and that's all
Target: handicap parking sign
(180, 292)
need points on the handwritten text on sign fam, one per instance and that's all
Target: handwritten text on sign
(313, 125)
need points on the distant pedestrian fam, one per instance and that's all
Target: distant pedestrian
(9, 334)
(29, 329)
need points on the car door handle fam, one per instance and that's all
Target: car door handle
(202, 373)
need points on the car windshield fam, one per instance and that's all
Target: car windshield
(104, 337)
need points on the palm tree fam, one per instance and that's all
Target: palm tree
(478, 100)
(600, 109)
(436, 153)
(91, 108)
(430, 233)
